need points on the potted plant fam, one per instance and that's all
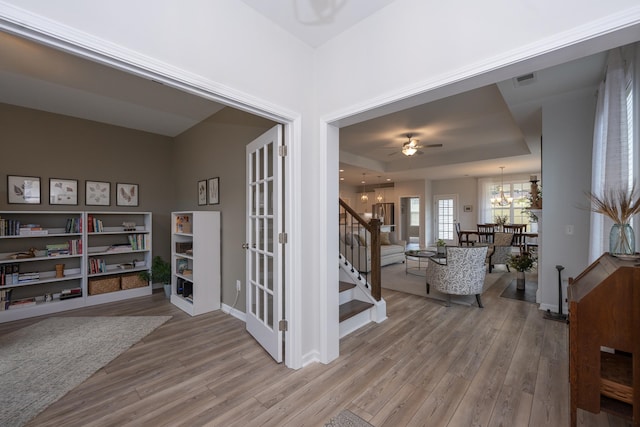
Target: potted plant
(440, 244)
(619, 205)
(521, 263)
(160, 273)
(501, 221)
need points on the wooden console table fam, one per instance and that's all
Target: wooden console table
(604, 338)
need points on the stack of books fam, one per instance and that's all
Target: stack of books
(26, 302)
(32, 230)
(70, 293)
(28, 277)
(58, 249)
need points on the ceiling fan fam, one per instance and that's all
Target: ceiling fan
(411, 147)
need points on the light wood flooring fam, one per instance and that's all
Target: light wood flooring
(427, 365)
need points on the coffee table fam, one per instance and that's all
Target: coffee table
(419, 255)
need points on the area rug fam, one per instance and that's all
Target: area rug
(41, 363)
(528, 294)
(347, 418)
(412, 281)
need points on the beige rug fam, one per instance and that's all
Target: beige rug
(409, 279)
(347, 418)
(40, 363)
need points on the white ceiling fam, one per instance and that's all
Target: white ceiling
(481, 130)
(317, 21)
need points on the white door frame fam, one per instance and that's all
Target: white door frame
(55, 35)
(436, 215)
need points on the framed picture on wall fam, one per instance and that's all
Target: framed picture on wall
(97, 193)
(23, 189)
(214, 191)
(468, 208)
(126, 194)
(63, 191)
(202, 192)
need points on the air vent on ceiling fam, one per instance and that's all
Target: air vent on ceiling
(525, 79)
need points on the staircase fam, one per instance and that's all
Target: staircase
(357, 306)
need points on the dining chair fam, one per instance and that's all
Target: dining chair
(485, 233)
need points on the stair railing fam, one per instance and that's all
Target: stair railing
(360, 244)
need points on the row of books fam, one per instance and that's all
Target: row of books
(94, 225)
(97, 265)
(13, 227)
(74, 225)
(9, 274)
(138, 241)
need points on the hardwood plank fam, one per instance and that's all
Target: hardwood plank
(426, 365)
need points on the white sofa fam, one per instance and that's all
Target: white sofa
(356, 248)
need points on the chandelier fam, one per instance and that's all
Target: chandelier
(501, 200)
(364, 198)
(380, 196)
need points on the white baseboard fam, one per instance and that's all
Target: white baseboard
(234, 312)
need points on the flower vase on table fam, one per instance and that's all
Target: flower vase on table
(622, 240)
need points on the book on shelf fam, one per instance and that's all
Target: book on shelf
(32, 230)
(5, 298)
(9, 227)
(119, 247)
(74, 225)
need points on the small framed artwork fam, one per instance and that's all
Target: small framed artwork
(202, 192)
(214, 191)
(97, 193)
(63, 191)
(23, 189)
(468, 208)
(126, 194)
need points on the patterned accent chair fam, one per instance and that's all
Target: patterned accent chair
(463, 274)
(501, 250)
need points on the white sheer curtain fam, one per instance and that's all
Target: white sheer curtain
(484, 199)
(610, 164)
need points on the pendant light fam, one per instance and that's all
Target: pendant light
(380, 196)
(364, 198)
(501, 200)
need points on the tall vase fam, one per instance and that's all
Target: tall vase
(520, 280)
(622, 240)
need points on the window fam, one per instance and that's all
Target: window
(445, 218)
(414, 210)
(516, 212)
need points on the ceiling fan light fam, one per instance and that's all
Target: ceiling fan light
(409, 150)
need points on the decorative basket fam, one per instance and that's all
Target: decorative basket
(103, 285)
(130, 281)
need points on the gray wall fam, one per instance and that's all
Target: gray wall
(36, 143)
(167, 170)
(216, 148)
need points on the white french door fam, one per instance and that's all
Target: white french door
(264, 276)
(446, 212)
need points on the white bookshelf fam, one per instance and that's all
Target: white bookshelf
(37, 267)
(195, 261)
(118, 239)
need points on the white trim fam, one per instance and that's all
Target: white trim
(50, 33)
(226, 309)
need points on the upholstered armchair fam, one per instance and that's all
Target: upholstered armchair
(500, 250)
(463, 273)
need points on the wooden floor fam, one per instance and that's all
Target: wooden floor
(427, 365)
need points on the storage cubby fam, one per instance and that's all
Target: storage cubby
(195, 261)
(604, 314)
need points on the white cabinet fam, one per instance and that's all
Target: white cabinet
(195, 261)
(46, 259)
